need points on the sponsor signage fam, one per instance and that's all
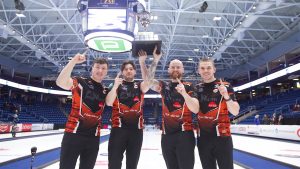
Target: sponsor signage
(109, 44)
(5, 128)
(289, 132)
(26, 127)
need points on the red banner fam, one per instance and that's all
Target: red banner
(5, 128)
(26, 127)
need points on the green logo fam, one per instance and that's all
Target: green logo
(110, 45)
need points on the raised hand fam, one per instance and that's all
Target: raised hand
(180, 87)
(79, 58)
(64, 79)
(223, 90)
(142, 56)
(155, 55)
(118, 80)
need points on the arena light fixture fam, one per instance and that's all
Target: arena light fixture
(20, 7)
(269, 77)
(49, 91)
(293, 68)
(152, 96)
(217, 18)
(203, 7)
(276, 74)
(259, 81)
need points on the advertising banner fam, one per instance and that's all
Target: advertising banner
(26, 127)
(289, 132)
(5, 128)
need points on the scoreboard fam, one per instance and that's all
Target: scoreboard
(107, 4)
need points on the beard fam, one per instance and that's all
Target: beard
(175, 75)
(128, 78)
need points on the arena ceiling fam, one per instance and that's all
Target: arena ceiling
(248, 34)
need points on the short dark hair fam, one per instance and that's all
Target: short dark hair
(100, 61)
(126, 62)
(207, 59)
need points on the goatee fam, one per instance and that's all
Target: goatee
(128, 79)
(175, 75)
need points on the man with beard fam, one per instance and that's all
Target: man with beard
(82, 132)
(178, 102)
(216, 99)
(126, 98)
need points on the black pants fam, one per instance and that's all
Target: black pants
(121, 140)
(74, 145)
(178, 150)
(214, 149)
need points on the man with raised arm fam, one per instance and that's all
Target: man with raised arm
(179, 101)
(127, 99)
(82, 131)
(216, 99)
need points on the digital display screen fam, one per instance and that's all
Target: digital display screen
(104, 19)
(107, 3)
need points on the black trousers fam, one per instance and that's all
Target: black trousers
(213, 150)
(178, 150)
(121, 140)
(74, 145)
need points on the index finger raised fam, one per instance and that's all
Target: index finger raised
(119, 74)
(221, 82)
(85, 52)
(178, 81)
(155, 48)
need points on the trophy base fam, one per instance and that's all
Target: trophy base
(147, 45)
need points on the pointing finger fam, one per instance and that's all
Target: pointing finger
(119, 74)
(178, 81)
(154, 51)
(85, 52)
(140, 52)
(221, 82)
